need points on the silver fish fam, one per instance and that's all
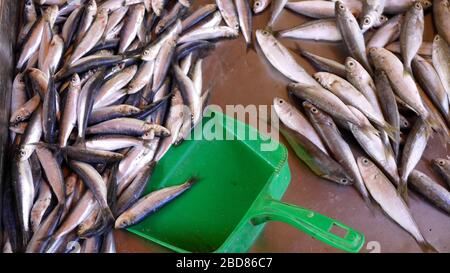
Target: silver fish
(281, 59)
(441, 16)
(386, 196)
(411, 34)
(352, 35)
(389, 32)
(134, 19)
(316, 30)
(228, 11)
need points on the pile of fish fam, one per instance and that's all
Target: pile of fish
(103, 89)
(389, 72)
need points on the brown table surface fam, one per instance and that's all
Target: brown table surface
(242, 77)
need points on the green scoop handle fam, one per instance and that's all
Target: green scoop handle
(312, 223)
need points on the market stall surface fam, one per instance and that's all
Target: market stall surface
(246, 78)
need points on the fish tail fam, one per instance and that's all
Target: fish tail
(192, 181)
(370, 129)
(402, 190)
(427, 247)
(80, 142)
(391, 131)
(101, 226)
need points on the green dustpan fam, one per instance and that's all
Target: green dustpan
(238, 193)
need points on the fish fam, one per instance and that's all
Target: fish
(325, 30)
(441, 13)
(32, 135)
(245, 19)
(134, 19)
(440, 57)
(109, 243)
(442, 167)
(411, 34)
(52, 171)
(134, 191)
(337, 145)
(86, 99)
(415, 145)
(428, 78)
(68, 120)
(112, 142)
(388, 105)
(430, 189)
(361, 80)
(281, 59)
(150, 203)
(352, 35)
(318, 162)
(296, 121)
(402, 83)
(384, 193)
(22, 182)
(49, 113)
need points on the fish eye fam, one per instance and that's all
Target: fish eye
(351, 63)
(22, 153)
(437, 38)
(418, 5)
(314, 110)
(146, 52)
(366, 21)
(265, 32)
(441, 162)
(344, 181)
(365, 161)
(257, 3)
(341, 6)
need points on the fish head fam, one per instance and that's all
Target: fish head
(440, 163)
(313, 111)
(340, 8)
(25, 152)
(339, 177)
(281, 106)
(367, 22)
(417, 7)
(75, 81)
(364, 164)
(123, 221)
(257, 6)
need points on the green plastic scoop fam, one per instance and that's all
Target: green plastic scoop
(239, 191)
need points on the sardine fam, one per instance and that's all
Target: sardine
(150, 203)
(69, 116)
(411, 34)
(441, 57)
(389, 32)
(40, 206)
(228, 11)
(434, 192)
(352, 35)
(371, 12)
(324, 64)
(281, 59)
(441, 16)
(245, 19)
(338, 147)
(134, 19)
(412, 153)
(325, 30)
(386, 196)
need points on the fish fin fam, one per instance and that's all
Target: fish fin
(102, 225)
(427, 247)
